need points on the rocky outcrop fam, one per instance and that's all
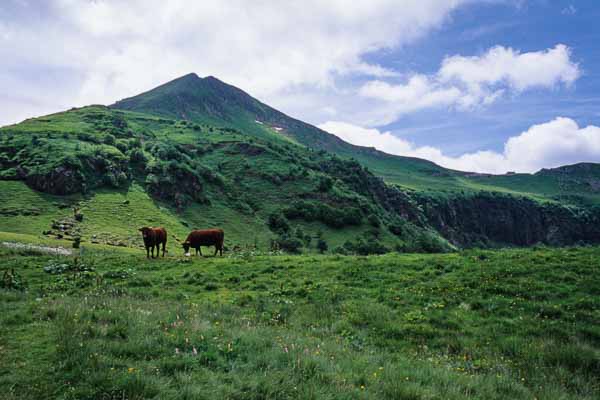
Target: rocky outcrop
(61, 180)
(490, 218)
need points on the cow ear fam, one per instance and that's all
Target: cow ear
(141, 229)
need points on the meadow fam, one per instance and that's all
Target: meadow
(107, 323)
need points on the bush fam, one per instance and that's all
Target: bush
(122, 145)
(325, 184)
(362, 247)
(109, 140)
(137, 156)
(278, 223)
(86, 137)
(322, 246)
(287, 243)
(396, 229)
(333, 217)
(374, 220)
(425, 242)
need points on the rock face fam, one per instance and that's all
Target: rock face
(487, 219)
(61, 180)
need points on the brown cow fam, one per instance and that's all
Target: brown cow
(207, 237)
(154, 237)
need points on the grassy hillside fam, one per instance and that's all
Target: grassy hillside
(198, 153)
(121, 170)
(210, 100)
(517, 324)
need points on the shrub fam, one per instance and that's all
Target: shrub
(333, 217)
(287, 243)
(278, 223)
(325, 184)
(322, 246)
(109, 140)
(122, 145)
(363, 247)
(137, 156)
(86, 137)
(374, 220)
(425, 242)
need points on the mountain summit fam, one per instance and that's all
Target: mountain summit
(196, 99)
(210, 100)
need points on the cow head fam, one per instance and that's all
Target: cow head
(145, 232)
(186, 247)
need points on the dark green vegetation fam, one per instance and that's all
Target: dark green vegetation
(510, 324)
(198, 153)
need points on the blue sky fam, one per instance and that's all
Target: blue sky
(479, 85)
(527, 26)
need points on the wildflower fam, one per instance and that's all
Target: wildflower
(130, 370)
(194, 351)
(176, 350)
(362, 387)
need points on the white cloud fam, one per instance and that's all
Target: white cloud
(114, 49)
(519, 71)
(472, 82)
(419, 92)
(551, 144)
(569, 10)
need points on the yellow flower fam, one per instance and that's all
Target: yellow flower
(130, 370)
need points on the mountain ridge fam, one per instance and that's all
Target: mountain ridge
(209, 99)
(197, 152)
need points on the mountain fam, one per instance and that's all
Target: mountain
(197, 152)
(209, 100)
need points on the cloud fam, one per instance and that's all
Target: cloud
(569, 10)
(419, 92)
(519, 71)
(551, 144)
(471, 82)
(111, 49)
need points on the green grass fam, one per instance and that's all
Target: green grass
(126, 169)
(516, 324)
(256, 178)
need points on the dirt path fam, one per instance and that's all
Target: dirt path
(59, 251)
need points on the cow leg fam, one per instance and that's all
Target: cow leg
(216, 250)
(221, 250)
(200, 251)
(153, 256)
(147, 252)
(164, 245)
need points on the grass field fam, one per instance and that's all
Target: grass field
(109, 324)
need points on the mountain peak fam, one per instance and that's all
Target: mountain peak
(191, 75)
(193, 98)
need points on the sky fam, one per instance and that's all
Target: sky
(476, 85)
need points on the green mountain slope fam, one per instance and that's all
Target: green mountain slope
(123, 170)
(209, 100)
(197, 153)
